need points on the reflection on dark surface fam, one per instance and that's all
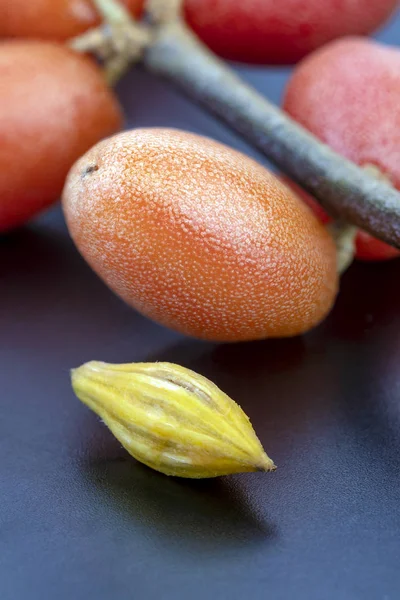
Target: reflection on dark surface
(365, 346)
(369, 299)
(202, 516)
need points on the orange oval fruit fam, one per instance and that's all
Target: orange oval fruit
(54, 105)
(52, 19)
(200, 237)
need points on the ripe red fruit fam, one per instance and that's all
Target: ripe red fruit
(281, 31)
(54, 105)
(51, 19)
(348, 95)
(199, 237)
(369, 248)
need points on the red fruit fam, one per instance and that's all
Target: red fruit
(281, 31)
(199, 237)
(51, 19)
(348, 95)
(54, 105)
(369, 248)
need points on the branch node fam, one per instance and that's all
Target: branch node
(119, 42)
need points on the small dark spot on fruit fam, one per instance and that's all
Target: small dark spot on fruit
(88, 170)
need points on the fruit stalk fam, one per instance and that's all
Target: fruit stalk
(161, 11)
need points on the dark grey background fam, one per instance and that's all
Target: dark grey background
(80, 519)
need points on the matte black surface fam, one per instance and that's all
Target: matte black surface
(80, 519)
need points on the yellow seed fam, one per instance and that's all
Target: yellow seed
(171, 419)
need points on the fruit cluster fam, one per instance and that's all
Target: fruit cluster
(191, 233)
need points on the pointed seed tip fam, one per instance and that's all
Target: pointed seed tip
(73, 372)
(266, 465)
(93, 365)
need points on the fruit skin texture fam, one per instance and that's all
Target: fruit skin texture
(54, 105)
(200, 237)
(55, 20)
(281, 32)
(347, 94)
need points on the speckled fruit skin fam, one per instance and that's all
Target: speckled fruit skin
(281, 31)
(51, 19)
(348, 95)
(54, 105)
(200, 237)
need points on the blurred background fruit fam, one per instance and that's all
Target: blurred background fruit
(52, 19)
(347, 94)
(54, 105)
(281, 31)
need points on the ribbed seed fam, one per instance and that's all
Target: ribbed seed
(171, 419)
